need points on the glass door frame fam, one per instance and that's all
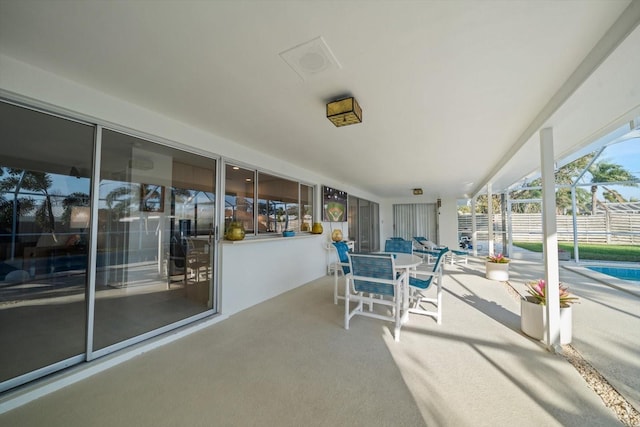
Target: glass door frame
(92, 354)
(87, 352)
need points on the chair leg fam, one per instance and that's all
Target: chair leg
(347, 298)
(419, 298)
(439, 300)
(346, 287)
(439, 308)
(335, 284)
(398, 317)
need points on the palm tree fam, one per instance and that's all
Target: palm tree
(612, 196)
(565, 175)
(604, 171)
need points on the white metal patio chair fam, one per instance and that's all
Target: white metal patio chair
(341, 264)
(422, 280)
(398, 245)
(375, 275)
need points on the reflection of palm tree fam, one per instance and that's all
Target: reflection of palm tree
(21, 205)
(40, 182)
(602, 172)
(120, 199)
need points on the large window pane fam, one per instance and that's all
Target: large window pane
(306, 207)
(277, 204)
(155, 251)
(239, 197)
(45, 169)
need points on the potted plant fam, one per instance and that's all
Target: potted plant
(533, 314)
(497, 267)
(287, 232)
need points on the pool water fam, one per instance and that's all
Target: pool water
(619, 272)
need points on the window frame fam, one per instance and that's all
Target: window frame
(256, 232)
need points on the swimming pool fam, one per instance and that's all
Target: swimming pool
(624, 273)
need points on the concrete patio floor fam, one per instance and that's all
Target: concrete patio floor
(606, 322)
(289, 362)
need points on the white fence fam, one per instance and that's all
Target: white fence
(613, 228)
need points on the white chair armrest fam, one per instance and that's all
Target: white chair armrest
(424, 273)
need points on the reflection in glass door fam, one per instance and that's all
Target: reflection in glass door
(155, 247)
(45, 170)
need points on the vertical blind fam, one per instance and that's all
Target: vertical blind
(415, 219)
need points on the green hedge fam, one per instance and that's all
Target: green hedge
(627, 253)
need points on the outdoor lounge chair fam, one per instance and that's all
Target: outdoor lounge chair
(426, 244)
(426, 248)
(374, 275)
(422, 280)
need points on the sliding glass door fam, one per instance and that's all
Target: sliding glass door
(155, 248)
(89, 267)
(364, 224)
(45, 170)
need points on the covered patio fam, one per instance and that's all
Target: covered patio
(289, 362)
(459, 99)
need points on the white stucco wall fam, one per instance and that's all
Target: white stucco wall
(448, 220)
(250, 272)
(273, 266)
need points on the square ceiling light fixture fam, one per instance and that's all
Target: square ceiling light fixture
(417, 191)
(344, 112)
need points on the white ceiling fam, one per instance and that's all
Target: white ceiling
(452, 92)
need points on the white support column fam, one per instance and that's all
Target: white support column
(503, 223)
(490, 218)
(474, 228)
(574, 208)
(509, 226)
(550, 242)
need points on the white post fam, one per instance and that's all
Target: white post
(509, 226)
(550, 243)
(574, 218)
(490, 218)
(474, 228)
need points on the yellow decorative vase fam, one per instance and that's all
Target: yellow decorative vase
(336, 236)
(235, 231)
(317, 228)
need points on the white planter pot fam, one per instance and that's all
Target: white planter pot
(533, 321)
(497, 271)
